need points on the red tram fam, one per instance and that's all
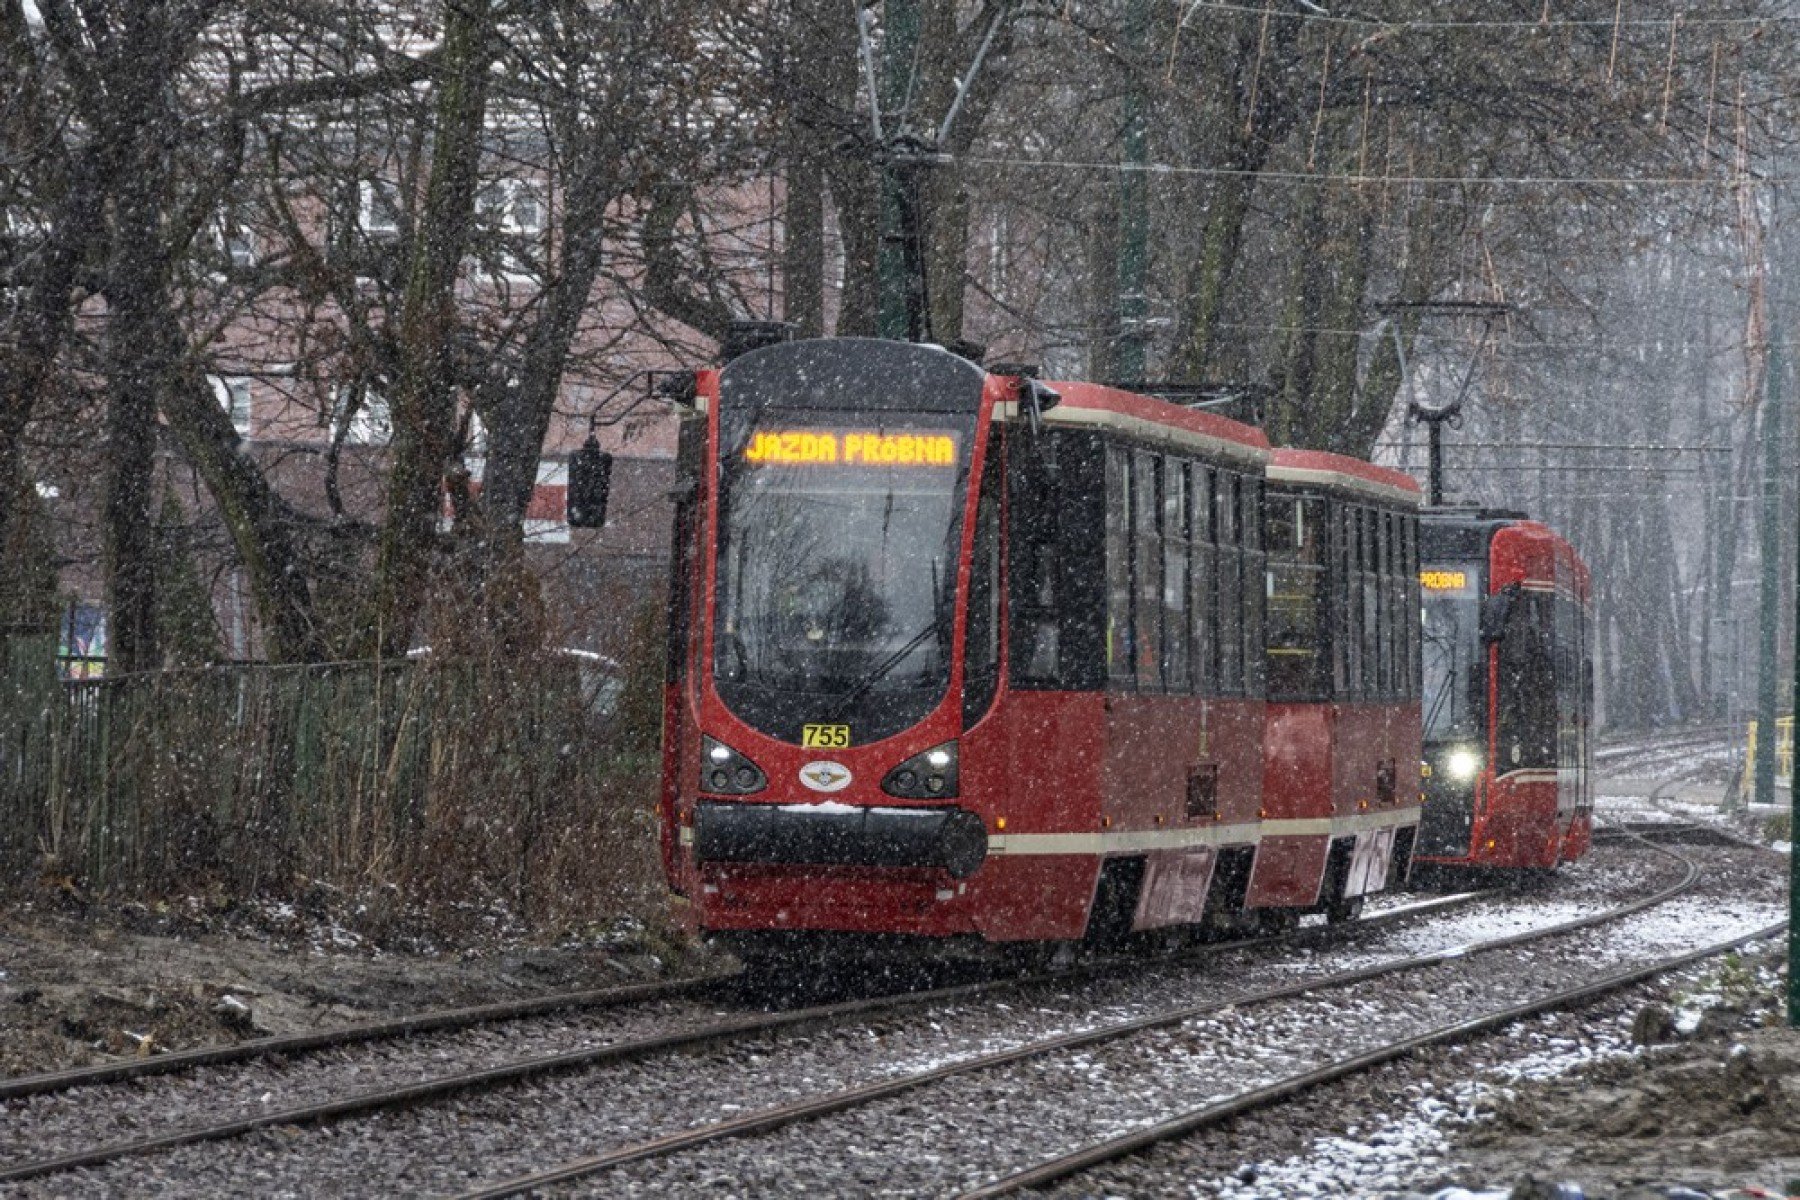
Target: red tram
(1508, 693)
(960, 655)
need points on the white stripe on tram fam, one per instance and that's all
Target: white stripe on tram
(1113, 842)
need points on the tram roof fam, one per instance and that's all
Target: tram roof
(1148, 419)
(1321, 468)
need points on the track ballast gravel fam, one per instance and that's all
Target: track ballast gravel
(455, 1144)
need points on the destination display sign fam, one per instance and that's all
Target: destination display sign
(821, 447)
(1446, 581)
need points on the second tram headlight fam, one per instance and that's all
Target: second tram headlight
(927, 776)
(1462, 764)
(723, 771)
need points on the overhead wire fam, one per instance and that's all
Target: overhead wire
(1541, 23)
(1364, 180)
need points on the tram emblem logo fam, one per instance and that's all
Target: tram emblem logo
(825, 776)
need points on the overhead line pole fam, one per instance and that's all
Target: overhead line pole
(1793, 996)
(1764, 766)
(1134, 206)
(897, 314)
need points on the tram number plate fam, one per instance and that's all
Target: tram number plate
(825, 737)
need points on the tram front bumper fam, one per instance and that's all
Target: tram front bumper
(953, 840)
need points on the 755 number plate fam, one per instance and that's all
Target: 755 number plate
(825, 737)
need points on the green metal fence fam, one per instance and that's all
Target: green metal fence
(456, 781)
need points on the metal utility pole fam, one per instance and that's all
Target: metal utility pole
(1766, 687)
(1134, 207)
(1434, 420)
(904, 154)
(1793, 975)
(898, 312)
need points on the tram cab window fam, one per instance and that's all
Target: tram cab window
(981, 653)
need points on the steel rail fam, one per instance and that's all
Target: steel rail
(768, 1119)
(720, 1032)
(433, 1021)
(1214, 1114)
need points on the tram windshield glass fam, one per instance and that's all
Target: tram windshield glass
(836, 588)
(1454, 701)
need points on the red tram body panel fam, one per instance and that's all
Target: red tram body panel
(1508, 704)
(959, 655)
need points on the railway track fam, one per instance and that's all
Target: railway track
(408, 1026)
(709, 1034)
(818, 1107)
(1218, 1113)
(712, 1037)
(1650, 753)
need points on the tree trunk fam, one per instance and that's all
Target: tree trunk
(423, 404)
(803, 244)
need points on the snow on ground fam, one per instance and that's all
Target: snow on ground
(1389, 1157)
(1450, 931)
(1687, 922)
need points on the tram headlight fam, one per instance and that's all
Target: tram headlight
(723, 771)
(1462, 764)
(927, 776)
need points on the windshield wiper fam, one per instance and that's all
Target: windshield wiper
(940, 626)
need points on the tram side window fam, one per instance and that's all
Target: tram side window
(1255, 560)
(1366, 588)
(1228, 538)
(1296, 594)
(1528, 716)
(1146, 566)
(1390, 605)
(1203, 606)
(1349, 643)
(1176, 659)
(1412, 601)
(1120, 661)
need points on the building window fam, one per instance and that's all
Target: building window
(515, 206)
(233, 392)
(378, 208)
(999, 253)
(516, 209)
(360, 416)
(237, 242)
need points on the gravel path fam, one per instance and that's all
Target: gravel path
(451, 1145)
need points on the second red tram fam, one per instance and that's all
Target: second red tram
(1508, 697)
(960, 655)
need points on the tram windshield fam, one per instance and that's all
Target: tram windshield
(1454, 702)
(837, 566)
